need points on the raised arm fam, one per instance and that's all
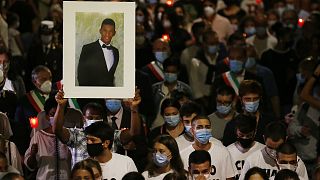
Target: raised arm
(306, 93)
(61, 132)
(135, 118)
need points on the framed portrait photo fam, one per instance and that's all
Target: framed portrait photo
(98, 49)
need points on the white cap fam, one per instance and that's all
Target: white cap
(47, 23)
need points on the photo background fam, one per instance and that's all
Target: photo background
(87, 30)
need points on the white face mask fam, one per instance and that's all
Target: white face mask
(288, 166)
(209, 11)
(51, 120)
(46, 87)
(194, 176)
(88, 122)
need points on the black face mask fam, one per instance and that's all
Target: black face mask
(94, 149)
(245, 143)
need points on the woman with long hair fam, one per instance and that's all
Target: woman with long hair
(165, 159)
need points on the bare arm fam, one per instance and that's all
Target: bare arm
(135, 118)
(61, 132)
(306, 93)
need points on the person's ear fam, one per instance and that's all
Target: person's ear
(105, 144)
(114, 33)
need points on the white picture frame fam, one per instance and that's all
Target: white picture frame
(82, 21)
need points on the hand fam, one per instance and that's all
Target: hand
(60, 98)
(34, 149)
(305, 131)
(134, 102)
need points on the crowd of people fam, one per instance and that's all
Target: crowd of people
(225, 89)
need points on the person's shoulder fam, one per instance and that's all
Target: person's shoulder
(222, 19)
(122, 158)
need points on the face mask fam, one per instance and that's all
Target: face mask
(250, 63)
(224, 109)
(251, 107)
(152, 1)
(261, 31)
(271, 23)
(300, 78)
(1, 73)
(172, 120)
(195, 176)
(290, 6)
(187, 129)
(46, 39)
(170, 77)
(161, 56)
(166, 24)
(236, 66)
(94, 149)
(245, 143)
(213, 49)
(88, 122)
(280, 11)
(113, 105)
(208, 11)
(140, 19)
(46, 87)
(140, 39)
(288, 166)
(234, 27)
(51, 119)
(160, 160)
(203, 135)
(271, 152)
(250, 31)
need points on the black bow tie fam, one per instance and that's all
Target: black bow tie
(105, 46)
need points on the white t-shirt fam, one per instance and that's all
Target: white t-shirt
(221, 163)
(238, 157)
(260, 159)
(184, 143)
(158, 177)
(117, 167)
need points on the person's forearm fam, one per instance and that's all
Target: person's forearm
(306, 93)
(61, 132)
(135, 122)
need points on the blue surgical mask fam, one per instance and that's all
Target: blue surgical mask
(213, 49)
(250, 31)
(300, 78)
(170, 77)
(203, 135)
(172, 120)
(236, 66)
(161, 56)
(251, 107)
(224, 109)
(160, 160)
(51, 121)
(140, 19)
(113, 105)
(251, 61)
(187, 129)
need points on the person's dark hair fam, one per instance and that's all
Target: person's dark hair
(10, 176)
(174, 176)
(238, 48)
(12, 18)
(189, 108)
(244, 21)
(92, 163)
(133, 176)
(245, 123)
(171, 61)
(143, 9)
(236, 36)
(286, 148)
(108, 21)
(169, 103)
(199, 157)
(286, 174)
(101, 130)
(212, 1)
(308, 64)
(226, 91)
(95, 106)
(37, 70)
(197, 27)
(232, 2)
(196, 118)
(275, 131)
(175, 162)
(49, 104)
(177, 95)
(81, 166)
(256, 170)
(4, 50)
(250, 86)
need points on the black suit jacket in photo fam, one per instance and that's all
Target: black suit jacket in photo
(92, 68)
